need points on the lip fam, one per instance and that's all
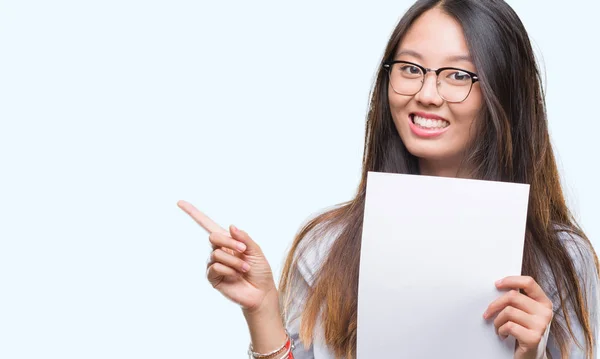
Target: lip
(423, 132)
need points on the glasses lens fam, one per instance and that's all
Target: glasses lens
(454, 85)
(406, 79)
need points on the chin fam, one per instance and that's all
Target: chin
(429, 151)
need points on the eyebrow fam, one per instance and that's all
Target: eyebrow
(449, 58)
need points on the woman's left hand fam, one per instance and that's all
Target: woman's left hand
(525, 316)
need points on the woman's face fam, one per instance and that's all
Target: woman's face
(435, 40)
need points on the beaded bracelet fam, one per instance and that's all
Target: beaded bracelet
(288, 354)
(286, 350)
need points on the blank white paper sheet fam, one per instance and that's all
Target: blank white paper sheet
(432, 249)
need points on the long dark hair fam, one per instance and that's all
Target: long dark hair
(512, 145)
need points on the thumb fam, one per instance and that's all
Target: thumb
(252, 248)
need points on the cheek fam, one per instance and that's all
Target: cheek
(397, 104)
(474, 102)
(466, 113)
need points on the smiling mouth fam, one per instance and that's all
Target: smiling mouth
(429, 124)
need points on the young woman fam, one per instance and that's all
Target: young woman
(458, 94)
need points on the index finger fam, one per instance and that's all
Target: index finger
(208, 224)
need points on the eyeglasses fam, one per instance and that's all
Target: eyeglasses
(453, 84)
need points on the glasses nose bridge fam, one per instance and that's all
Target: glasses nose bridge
(435, 71)
(436, 83)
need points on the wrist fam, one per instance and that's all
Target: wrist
(269, 307)
(267, 332)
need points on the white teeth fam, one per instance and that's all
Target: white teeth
(429, 123)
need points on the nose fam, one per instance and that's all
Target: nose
(429, 95)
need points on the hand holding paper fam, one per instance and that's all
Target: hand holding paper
(525, 316)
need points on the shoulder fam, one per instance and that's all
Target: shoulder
(581, 253)
(313, 250)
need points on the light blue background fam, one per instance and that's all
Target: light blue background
(111, 111)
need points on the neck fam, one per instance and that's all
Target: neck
(443, 168)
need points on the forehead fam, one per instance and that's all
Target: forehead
(436, 36)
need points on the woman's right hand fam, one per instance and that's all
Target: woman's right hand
(237, 266)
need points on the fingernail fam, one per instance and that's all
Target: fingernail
(234, 228)
(241, 247)
(245, 267)
(485, 314)
(498, 282)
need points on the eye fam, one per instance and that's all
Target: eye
(410, 71)
(458, 76)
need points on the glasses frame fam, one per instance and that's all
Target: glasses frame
(388, 66)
